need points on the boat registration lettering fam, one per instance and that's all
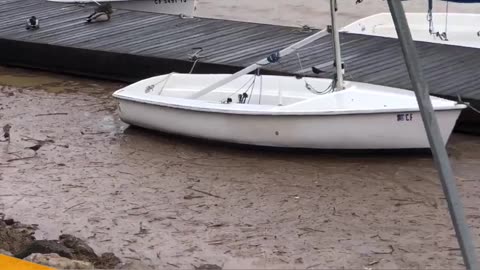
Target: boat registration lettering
(404, 117)
(169, 1)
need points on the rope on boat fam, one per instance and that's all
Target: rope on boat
(195, 57)
(150, 87)
(275, 58)
(193, 66)
(329, 89)
(460, 101)
(473, 108)
(242, 98)
(431, 30)
(229, 97)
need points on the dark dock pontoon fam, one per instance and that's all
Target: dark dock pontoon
(134, 45)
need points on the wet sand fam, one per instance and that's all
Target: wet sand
(315, 13)
(175, 202)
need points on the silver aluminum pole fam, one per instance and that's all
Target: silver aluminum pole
(433, 133)
(336, 44)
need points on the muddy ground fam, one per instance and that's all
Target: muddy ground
(73, 167)
(315, 12)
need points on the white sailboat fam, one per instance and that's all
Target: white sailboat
(458, 29)
(175, 7)
(283, 111)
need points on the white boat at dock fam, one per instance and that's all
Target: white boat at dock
(280, 111)
(284, 111)
(458, 29)
(176, 7)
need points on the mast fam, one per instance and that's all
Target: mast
(336, 45)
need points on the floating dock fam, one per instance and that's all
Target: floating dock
(135, 45)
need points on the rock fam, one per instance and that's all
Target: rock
(15, 238)
(299, 260)
(6, 130)
(208, 267)
(134, 265)
(107, 261)
(56, 261)
(80, 249)
(4, 252)
(45, 247)
(9, 222)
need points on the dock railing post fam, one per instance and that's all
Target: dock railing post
(437, 145)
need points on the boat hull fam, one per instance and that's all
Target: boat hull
(463, 28)
(392, 130)
(178, 7)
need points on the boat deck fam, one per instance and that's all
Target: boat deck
(135, 45)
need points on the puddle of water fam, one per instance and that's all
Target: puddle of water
(55, 84)
(26, 81)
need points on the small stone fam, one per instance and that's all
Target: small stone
(134, 265)
(208, 267)
(9, 222)
(15, 238)
(45, 247)
(54, 260)
(107, 260)
(299, 261)
(80, 249)
(4, 252)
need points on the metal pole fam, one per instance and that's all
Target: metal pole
(430, 16)
(336, 44)
(437, 144)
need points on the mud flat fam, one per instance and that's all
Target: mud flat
(72, 167)
(314, 12)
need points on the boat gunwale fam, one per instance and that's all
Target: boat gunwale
(116, 95)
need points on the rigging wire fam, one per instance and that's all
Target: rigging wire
(431, 30)
(261, 87)
(150, 87)
(251, 91)
(446, 19)
(236, 91)
(299, 61)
